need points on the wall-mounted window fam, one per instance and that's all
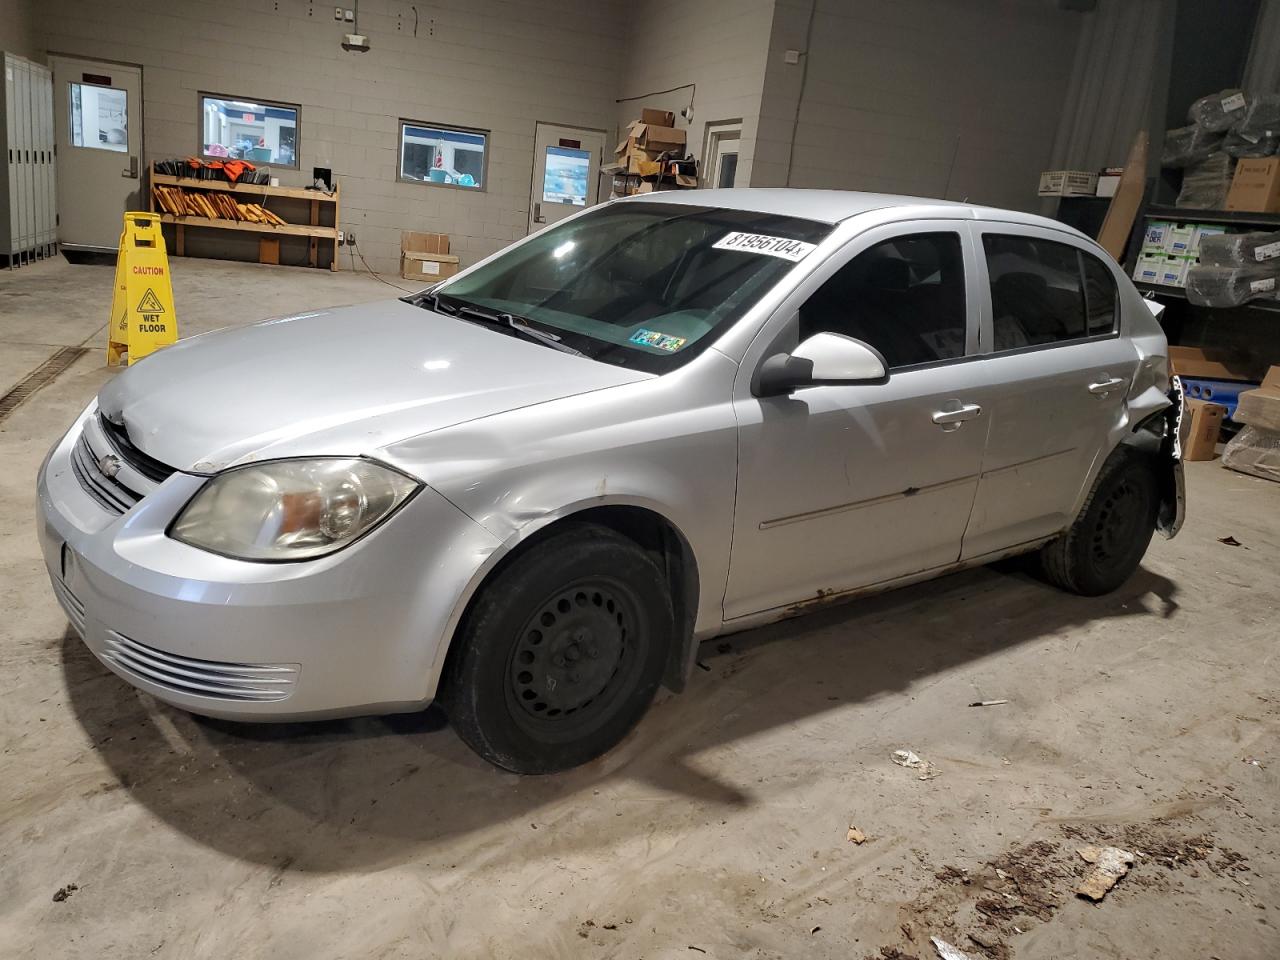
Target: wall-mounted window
(99, 117)
(260, 131)
(445, 156)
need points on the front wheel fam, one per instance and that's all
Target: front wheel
(1105, 544)
(561, 653)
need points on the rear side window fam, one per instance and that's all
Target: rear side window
(904, 296)
(1037, 296)
(1099, 295)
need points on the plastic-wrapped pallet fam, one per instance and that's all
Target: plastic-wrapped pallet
(1255, 451)
(1218, 111)
(1184, 146)
(1263, 144)
(1205, 185)
(1261, 117)
(1231, 286)
(1238, 249)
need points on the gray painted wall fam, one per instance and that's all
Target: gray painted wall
(719, 45)
(18, 32)
(499, 65)
(891, 86)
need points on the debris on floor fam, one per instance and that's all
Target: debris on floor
(911, 760)
(1109, 865)
(946, 951)
(63, 892)
(987, 703)
(855, 835)
(1253, 762)
(1230, 541)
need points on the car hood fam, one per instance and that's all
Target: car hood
(343, 382)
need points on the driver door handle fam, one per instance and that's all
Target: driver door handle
(951, 419)
(1106, 386)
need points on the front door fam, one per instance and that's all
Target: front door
(566, 172)
(98, 117)
(844, 486)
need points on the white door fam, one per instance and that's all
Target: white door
(720, 165)
(566, 172)
(98, 123)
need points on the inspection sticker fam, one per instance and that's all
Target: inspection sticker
(783, 247)
(659, 341)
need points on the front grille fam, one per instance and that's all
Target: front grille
(111, 494)
(118, 437)
(203, 678)
(71, 604)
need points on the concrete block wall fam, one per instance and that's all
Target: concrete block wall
(891, 86)
(719, 45)
(496, 65)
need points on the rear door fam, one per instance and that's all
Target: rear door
(1057, 372)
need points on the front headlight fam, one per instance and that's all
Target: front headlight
(291, 509)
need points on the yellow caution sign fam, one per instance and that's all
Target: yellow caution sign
(142, 315)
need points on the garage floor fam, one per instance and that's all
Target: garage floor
(719, 829)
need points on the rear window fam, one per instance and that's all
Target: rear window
(1044, 292)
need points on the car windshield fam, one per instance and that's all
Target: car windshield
(645, 285)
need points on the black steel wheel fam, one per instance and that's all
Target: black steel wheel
(1105, 544)
(561, 653)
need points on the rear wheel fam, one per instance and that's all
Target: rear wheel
(561, 653)
(1103, 548)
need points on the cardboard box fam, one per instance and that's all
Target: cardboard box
(1173, 272)
(427, 267)
(1261, 408)
(650, 136)
(1068, 183)
(1107, 185)
(1149, 267)
(659, 118)
(1178, 238)
(1202, 437)
(1203, 230)
(1214, 364)
(1156, 233)
(435, 243)
(1256, 186)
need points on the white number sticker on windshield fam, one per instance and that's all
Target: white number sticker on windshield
(782, 247)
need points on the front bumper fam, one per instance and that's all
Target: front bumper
(359, 631)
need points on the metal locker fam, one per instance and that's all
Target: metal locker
(28, 184)
(26, 179)
(8, 220)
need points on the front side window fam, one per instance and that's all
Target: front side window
(260, 131)
(644, 285)
(444, 156)
(1044, 292)
(904, 296)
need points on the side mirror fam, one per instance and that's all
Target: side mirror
(825, 358)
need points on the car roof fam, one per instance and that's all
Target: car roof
(833, 206)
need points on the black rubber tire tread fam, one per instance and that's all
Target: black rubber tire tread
(472, 691)
(1066, 563)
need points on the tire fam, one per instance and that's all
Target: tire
(1105, 544)
(561, 652)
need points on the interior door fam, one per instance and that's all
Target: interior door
(724, 160)
(566, 172)
(843, 486)
(98, 123)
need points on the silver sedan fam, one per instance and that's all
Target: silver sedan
(530, 491)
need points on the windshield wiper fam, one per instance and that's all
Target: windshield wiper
(432, 300)
(517, 323)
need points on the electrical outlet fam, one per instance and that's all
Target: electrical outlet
(349, 16)
(337, 13)
(342, 238)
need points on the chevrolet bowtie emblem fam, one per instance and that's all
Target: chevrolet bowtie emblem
(109, 464)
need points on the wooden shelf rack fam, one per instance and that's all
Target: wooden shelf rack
(269, 234)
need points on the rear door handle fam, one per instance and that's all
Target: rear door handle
(951, 419)
(1104, 387)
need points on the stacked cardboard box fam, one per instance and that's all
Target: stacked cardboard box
(426, 257)
(1256, 448)
(1169, 250)
(650, 140)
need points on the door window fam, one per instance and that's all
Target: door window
(564, 179)
(1100, 295)
(1042, 292)
(99, 117)
(904, 296)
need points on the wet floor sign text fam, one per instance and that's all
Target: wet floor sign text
(142, 315)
